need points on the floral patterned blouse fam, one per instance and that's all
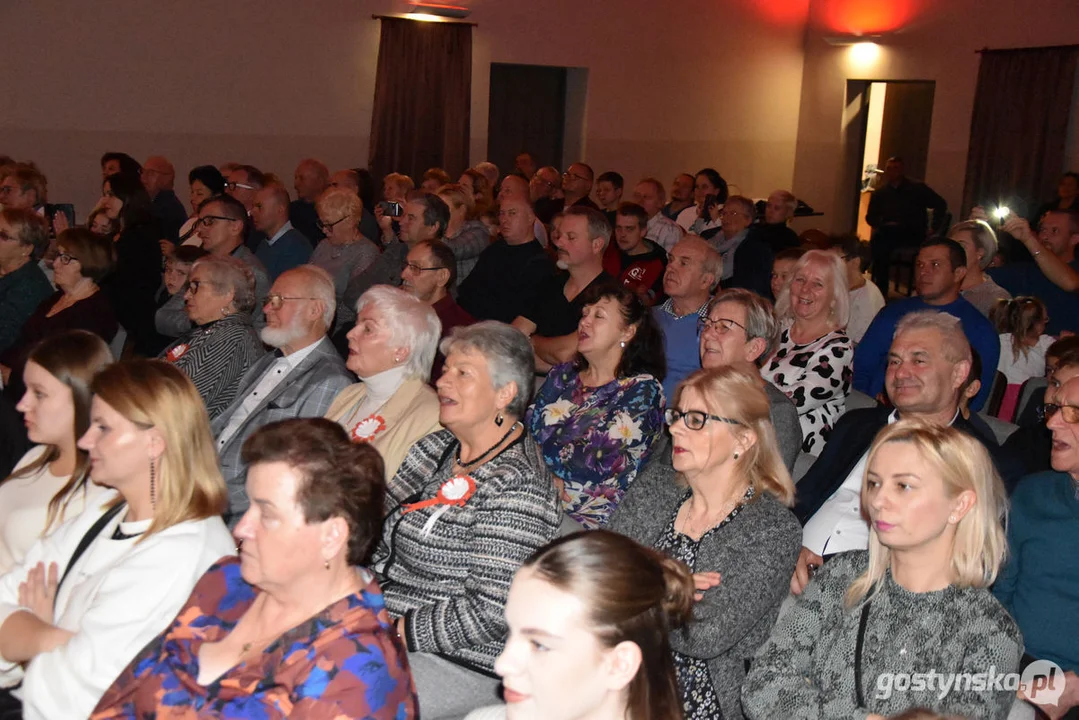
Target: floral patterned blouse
(345, 661)
(816, 377)
(595, 440)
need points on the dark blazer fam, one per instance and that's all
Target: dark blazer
(752, 267)
(169, 213)
(133, 283)
(306, 393)
(851, 438)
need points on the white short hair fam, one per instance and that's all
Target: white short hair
(413, 324)
(319, 284)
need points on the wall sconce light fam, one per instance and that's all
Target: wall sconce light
(847, 40)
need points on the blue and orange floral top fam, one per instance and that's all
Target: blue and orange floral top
(346, 661)
(595, 440)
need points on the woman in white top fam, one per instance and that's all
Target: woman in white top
(51, 483)
(69, 620)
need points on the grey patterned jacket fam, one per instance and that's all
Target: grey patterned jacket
(451, 582)
(806, 669)
(306, 392)
(755, 554)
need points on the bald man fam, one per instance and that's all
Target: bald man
(310, 179)
(283, 247)
(158, 177)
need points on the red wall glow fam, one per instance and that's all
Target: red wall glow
(865, 17)
(782, 12)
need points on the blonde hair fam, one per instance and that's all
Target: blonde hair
(156, 394)
(963, 463)
(403, 182)
(339, 201)
(739, 391)
(833, 265)
(457, 195)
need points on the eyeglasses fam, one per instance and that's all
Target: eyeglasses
(1070, 413)
(417, 269)
(720, 325)
(65, 259)
(275, 300)
(575, 176)
(233, 185)
(732, 213)
(209, 220)
(694, 419)
(327, 227)
(194, 285)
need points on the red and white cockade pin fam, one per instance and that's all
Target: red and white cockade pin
(177, 352)
(455, 492)
(366, 430)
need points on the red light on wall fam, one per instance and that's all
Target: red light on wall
(866, 16)
(782, 12)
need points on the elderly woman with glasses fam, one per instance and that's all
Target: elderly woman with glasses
(296, 626)
(812, 363)
(391, 349)
(721, 508)
(345, 252)
(222, 345)
(84, 260)
(467, 507)
(597, 418)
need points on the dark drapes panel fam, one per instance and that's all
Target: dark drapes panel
(1019, 128)
(423, 98)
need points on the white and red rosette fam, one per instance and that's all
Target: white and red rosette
(177, 352)
(367, 429)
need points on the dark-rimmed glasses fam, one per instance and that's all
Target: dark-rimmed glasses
(694, 419)
(208, 220)
(417, 269)
(327, 227)
(1070, 413)
(66, 259)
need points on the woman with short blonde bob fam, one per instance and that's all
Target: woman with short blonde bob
(812, 363)
(721, 508)
(917, 600)
(345, 252)
(74, 618)
(465, 235)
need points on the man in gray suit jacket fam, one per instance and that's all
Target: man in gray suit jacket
(299, 380)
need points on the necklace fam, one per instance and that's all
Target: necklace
(483, 456)
(727, 510)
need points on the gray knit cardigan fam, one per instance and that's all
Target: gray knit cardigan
(755, 553)
(806, 669)
(451, 583)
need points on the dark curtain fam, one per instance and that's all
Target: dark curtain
(423, 98)
(1019, 128)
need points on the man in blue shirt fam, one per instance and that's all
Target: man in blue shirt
(939, 271)
(1053, 277)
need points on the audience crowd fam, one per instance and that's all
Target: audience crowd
(532, 445)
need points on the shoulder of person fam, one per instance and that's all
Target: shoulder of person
(1033, 490)
(210, 533)
(838, 573)
(30, 456)
(989, 619)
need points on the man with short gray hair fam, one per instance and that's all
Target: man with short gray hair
(774, 230)
(747, 260)
(298, 380)
(928, 365)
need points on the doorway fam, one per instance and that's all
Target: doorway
(885, 119)
(527, 112)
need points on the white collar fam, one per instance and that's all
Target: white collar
(382, 386)
(277, 235)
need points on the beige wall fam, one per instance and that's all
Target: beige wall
(938, 45)
(269, 82)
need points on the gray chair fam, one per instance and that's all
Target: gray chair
(857, 400)
(1001, 429)
(116, 346)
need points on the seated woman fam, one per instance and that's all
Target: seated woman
(601, 607)
(465, 235)
(222, 345)
(277, 632)
(468, 505)
(89, 596)
(812, 363)
(345, 252)
(980, 243)
(391, 350)
(917, 601)
(596, 418)
(51, 483)
(84, 260)
(730, 525)
(24, 236)
(203, 182)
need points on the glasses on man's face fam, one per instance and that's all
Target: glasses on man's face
(413, 267)
(575, 176)
(731, 213)
(719, 325)
(65, 259)
(233, 185)
(694, 419)
(276, 300)
(327, 227)
(207, 221)
(1070, 413)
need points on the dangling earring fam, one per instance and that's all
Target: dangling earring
(153, 486)
(499, 419)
